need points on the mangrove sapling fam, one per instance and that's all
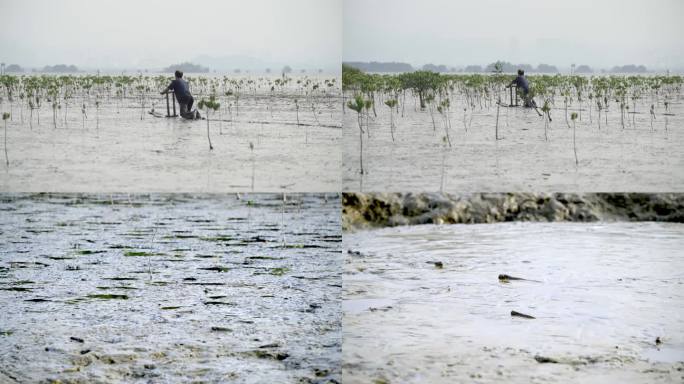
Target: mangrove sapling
(635, 97)
(465, 114)
(443, 109)
(5, 117)
(496, 128)
(209, 105)
(429, 99)
(367, 106)
(31, 106)
(573, 117)
(566, 96)
(652, 115)
(38, 109)
(97, 115)
(444, 152)
(67, 96)
(391, 103)
(21, 109)
(357, 106)
(251, 148)
(84, 116)
(313, 111)
(306, 128)
(54, 113)
(546, 109)
(599, 106)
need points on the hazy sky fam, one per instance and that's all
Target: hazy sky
(601, 33)
(156, 33)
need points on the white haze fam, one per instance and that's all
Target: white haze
(600, 33)
(156, 33)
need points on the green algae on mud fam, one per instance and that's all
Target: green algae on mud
(107, 296)
(298, 310)
(142, 253)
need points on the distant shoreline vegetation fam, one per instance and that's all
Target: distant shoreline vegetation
(505, 67)
(59, 68)
(186, 67)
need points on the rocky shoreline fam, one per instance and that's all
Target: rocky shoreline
(373, 210)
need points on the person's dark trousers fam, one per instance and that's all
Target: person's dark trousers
(190, 101)
(186, 107)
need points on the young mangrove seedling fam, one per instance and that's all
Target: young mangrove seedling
(84, 116)
(357, 105)
(391, 103)
(443, 109)
(652, 115)
(251, 148)
(209, 105)
(573, 117)
(97, 115)
(496, 128)
(546, 109)
(429, 99)
(444, 152)
(367, 105)
(31, 107)
(5, 117)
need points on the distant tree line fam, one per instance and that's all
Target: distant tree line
(59, 68)
(186, 67)
(502, 66)
(12, 68)
(375, 66)
(631, 68)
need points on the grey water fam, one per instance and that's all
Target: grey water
(603, 294)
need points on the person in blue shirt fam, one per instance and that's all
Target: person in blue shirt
(185, 99)
(521, 83)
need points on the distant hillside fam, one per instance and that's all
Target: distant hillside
(375, 66)
(60, 68)
(186, 67)
(14, 68)
(631, 68)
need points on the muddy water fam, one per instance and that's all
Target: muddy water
(604, 293)
(128, 154)
(610, 159)
(170, 288)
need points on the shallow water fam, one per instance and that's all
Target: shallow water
(604, 293)
(170, 288)
(610, 159)
(127, 154)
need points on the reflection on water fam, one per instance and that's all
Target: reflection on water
(170, 288)
(605, 292)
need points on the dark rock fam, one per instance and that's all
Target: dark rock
(518, 314)
(543, 359)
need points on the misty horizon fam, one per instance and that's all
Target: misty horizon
(128, 34)
(528, 31)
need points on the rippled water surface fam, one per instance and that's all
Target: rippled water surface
(603, 294)
(170, 288)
